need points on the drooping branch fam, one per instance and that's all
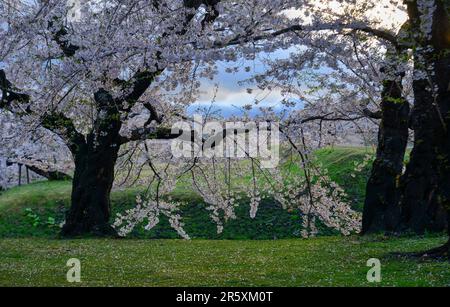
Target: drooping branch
(40, 168)
(154, 133)
(56, 122)
(164, 133)
(325, 117)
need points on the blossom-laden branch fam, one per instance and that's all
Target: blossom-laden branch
(41, 168)
(249, 37)
(54, 121)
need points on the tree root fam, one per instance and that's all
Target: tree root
(441, 253)
(438, 253)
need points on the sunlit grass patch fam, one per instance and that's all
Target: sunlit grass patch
(325, 261)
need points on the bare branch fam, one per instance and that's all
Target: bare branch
(375, 115)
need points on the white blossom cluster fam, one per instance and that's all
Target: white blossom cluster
(149, 211)
(222, 185)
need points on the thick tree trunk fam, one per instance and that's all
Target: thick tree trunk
(91, 189)
(420, 210)
(441, 34)
(441, 109)
(421, 207)
(381, 209)
(426, 182)
(93, 179)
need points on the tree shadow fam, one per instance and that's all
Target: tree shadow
(441, 253)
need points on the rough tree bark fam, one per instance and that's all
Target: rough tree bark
(95, 158)
(91, 188)
(420, 209)
(441, 44)
(381, 210)
(422, 183)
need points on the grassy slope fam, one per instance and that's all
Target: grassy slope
(325, 261)
(51, 199)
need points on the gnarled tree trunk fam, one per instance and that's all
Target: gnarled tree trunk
(438, 105)
(381, 210)
(95, 159)
(426, 181)
(441, 35)
(420, 210)
(91, 189)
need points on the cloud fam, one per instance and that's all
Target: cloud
(238, 96)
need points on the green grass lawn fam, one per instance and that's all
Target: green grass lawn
(325, 261)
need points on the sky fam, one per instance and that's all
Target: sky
(229, 95)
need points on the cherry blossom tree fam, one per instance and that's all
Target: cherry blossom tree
(84, 78)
